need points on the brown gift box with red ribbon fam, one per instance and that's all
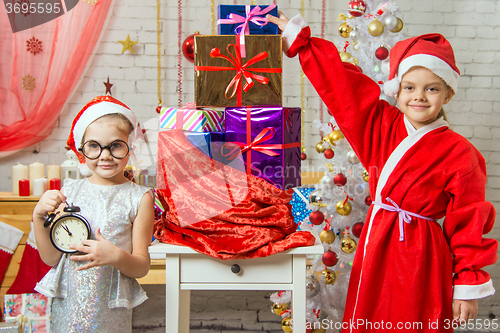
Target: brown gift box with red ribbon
(223, 78)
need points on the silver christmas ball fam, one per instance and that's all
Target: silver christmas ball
(390, 21)
(312, 286)
(352, 158)
(354, 34)
(327, 181)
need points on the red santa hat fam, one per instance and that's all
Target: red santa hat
(96, 108)
(431, 51)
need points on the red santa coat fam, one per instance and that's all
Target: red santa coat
(433, 172)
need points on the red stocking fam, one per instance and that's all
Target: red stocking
(31, 270)
(9, 239)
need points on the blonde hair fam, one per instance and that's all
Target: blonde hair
(121, 122)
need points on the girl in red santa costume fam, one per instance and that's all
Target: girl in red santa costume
(409, 273)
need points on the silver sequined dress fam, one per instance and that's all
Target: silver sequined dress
(99, 299)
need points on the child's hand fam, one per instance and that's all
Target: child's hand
(49, 202)
(463, 310)
(100, 252)
(280, 21)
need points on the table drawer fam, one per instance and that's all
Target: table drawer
(272, 269)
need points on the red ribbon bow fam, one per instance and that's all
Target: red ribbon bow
(241, 71)
(266, 134)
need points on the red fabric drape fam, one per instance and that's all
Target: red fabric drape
(53, 56)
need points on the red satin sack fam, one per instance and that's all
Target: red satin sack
(257, 222)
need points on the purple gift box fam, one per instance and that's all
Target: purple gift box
(270, 137)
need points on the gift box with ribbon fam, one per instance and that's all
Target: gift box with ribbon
(194, 120)
(299, 203)
(268, 138)
(224, 78)
(244, 20)
(30, 311)
(209, 144)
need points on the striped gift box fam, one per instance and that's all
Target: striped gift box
(195, 120)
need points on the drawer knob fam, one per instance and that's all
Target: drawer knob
(235, 268)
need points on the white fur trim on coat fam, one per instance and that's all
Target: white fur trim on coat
(292, 29)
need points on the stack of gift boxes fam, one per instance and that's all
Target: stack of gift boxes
(238, 97)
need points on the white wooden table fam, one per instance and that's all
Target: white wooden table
(188, 270)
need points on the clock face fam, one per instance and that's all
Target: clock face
(68, 230)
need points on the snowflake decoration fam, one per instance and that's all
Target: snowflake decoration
(34, 45)
(21, 2)
(29, 83)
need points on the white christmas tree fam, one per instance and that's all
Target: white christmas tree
(341, 199)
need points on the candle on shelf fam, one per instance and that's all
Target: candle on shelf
(23, 187)
(39, 186)
(36, 172)
(19, 172)
(53, 171)
(55, 184)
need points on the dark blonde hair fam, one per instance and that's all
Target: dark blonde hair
(122, 123)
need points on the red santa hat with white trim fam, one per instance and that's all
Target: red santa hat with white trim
(96, 108)
(431, 51)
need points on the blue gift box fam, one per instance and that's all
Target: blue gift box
(299, 202)
(230, 29)
(209, 143)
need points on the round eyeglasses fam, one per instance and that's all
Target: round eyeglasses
(92, 149)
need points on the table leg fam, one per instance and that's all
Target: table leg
(299, 293)
(172, 293)
(184, 308)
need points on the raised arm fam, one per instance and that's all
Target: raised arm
(351, 97)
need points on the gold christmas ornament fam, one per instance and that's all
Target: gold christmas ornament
(348, 245)
(365, 175)
(286, 324)
(345, 30)
(335, 136)
(330, 276)
(327, 236)
(279, 308)
(320, 148)
(128, 44)
(399, 27)
(344, 209)
(345, 56)
(375, 28)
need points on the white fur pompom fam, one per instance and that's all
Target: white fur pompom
(391, 87)
(84, 170)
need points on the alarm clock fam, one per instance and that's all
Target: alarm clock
(70, 228)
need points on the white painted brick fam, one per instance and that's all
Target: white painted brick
(485, 6)
(466, 32)
(481, 132)
(481, 82)
(482, 107)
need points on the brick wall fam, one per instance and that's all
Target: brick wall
(473, 27)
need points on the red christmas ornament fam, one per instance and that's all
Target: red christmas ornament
(368, 200)
(329, 258)
(303, 156)
(339, 179)
(329, 153)
(316, 217)
(382, 53)
(188, 47)
(158, 109)
(357, 228)
(357, 8)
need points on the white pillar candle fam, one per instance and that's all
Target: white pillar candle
(53, 171)
(39, 186)
(19, 172)
(36, 171)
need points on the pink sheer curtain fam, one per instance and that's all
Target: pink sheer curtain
(39, 69)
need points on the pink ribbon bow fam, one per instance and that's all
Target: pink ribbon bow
(404, 216)
(252, 15)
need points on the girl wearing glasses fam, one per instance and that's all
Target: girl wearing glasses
(95, 289)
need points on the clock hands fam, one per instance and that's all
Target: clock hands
(67, 230)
